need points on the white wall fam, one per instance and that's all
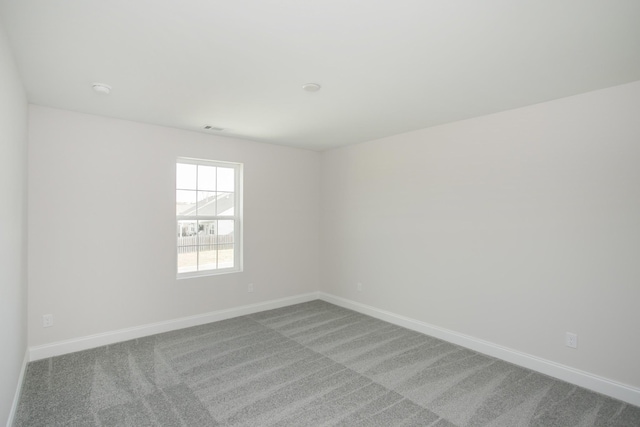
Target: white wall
(102, 224)
(13, 223)
(513, 228)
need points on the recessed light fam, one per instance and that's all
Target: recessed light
(102, 88)
(311, 87)
(209, 127)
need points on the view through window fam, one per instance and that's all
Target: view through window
(208, 216)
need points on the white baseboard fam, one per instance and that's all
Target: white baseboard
(580, 378)
(97, 340)
(16, 396)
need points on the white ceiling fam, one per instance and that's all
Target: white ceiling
(385, 66)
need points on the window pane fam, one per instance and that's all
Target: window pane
(224, 240)
(187, 229)
(206, 232)
(226, 179)
(225, 231)
(208, 258)
(185, 202)
(187, 247)
(225, 256)
(225, 205)
(185, 176)
(187, 261)
(207, 178)
(206, 203)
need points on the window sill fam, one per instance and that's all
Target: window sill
(195, 274)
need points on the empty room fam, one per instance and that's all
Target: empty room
(338, 213)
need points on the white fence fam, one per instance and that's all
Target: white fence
(205, 242)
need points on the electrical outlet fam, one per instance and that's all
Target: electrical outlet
(250, 287)
(571, 340)
(47, 320)
(359, 286)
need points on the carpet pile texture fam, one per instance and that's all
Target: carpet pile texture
(311, 364)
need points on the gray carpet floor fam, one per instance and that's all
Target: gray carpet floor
(311, 364)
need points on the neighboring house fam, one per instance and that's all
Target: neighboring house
(215, 205)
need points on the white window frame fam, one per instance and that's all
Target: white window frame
(236, 217)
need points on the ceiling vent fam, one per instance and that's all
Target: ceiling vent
(209, 127)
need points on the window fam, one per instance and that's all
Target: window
(208, 217)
